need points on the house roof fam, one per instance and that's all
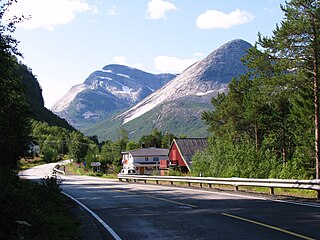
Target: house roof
(189, 146)
(145, 152)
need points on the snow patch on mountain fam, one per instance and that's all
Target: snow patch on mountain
(123, 75)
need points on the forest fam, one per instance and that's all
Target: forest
(57, 142)
(267, 126)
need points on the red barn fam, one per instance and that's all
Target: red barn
(181, 152)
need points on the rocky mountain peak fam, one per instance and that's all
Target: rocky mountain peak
(207, 77)
(113, 88)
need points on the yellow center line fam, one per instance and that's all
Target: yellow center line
(268, 226)
(159, 198)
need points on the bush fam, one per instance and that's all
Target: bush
(49, 155)
(32, 210)
(224, 158)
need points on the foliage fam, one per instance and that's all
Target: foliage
(156, 139)
(49, 154)
(174, 172)
(131, 145)
(33, 205)
(264, 126)
(33, 95)
(92, 155)
(78, 146)
(14, 112)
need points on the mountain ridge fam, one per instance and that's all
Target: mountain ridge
(177, 106)
(209, 76)
(105, 92)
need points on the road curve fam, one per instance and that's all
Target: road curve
(139, 211)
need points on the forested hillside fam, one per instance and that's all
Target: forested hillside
(34, 98)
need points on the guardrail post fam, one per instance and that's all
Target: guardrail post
(318, 194)
(189, 184)
(135, 180)
(271, 190)
(145, 181)
(201, 185)
(171, 182)
(236, 188)
(157, 182)
(209, 185)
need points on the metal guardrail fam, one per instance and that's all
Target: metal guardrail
(236, 182)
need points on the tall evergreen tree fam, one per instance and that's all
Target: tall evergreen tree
(295, 47)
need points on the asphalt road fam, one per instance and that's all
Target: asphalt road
(139, 211)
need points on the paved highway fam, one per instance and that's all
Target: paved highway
(138, 211)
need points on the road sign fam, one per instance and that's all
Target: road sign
(95, 164)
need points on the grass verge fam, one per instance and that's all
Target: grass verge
(31, 210)
(74, 168)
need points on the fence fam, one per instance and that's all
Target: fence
(235, 182)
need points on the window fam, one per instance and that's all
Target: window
(146, 159)
(155, 159)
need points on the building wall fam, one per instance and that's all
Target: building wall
(128, 162)
(149, 159)
(174, 155)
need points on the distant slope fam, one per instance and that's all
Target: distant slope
(187, 123)
(177, 106)
(34, 98)
(106, 92)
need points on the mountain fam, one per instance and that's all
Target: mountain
(34, 98)
(177, 106)
(105, 92)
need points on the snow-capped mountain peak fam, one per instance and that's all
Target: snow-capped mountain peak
(113, 88)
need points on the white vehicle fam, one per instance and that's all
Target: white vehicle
(128, 171)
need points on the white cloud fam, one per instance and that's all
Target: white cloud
(198, 54)
(173, 64)
(158, 8)
(213, 19)
(112, 11)
(122, 60)
(48, 13)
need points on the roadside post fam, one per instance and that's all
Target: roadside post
(96, 166)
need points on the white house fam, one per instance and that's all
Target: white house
(144, 160)
(34, 148)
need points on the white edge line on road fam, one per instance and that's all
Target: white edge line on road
(104, 224)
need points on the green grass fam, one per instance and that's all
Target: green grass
(29, 163)
(34, 211)
(75, 168)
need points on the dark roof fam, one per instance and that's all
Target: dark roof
(189, 146)
(142, 152)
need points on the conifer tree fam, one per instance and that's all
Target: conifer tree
(295, 47)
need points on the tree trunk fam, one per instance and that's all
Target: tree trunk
(256, 132)
(316, 113)
(284, 147)
(316, 94)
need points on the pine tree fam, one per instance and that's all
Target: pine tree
(295, 47)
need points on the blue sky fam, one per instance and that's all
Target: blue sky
(66, 40)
